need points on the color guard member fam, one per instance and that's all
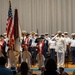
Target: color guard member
(26, 55)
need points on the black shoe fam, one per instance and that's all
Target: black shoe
(39, 69)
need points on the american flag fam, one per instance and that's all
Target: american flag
(9, 24)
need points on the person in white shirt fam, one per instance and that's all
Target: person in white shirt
(60, 49)
(33, 48)
(22, 40)
(52, 45)
(6, 39)
(47, 37)
(67, 39)
(23, 35)
(72, 46)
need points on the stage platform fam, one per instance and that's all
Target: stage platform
(69, 68)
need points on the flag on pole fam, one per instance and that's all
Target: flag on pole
(17, 30)
(17, 34)
(16, 27)
(9, 24)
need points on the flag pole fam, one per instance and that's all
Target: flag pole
(37, 30)
(20, 40)
(1, 29)
(9, 0)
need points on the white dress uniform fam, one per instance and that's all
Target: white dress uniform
(67, 40)
(60, 49)
(72, 47)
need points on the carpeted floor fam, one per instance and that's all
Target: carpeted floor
(68, 70)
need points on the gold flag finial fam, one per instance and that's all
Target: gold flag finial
(10, 1)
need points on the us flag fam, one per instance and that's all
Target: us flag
(9, 24)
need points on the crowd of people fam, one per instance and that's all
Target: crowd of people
(49, 69)
(37, 48)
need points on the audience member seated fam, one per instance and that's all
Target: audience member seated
(73, 72)
(62, 72)
(3, 69)
(24, 69)
(50, 67)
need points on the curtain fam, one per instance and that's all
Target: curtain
(46, 16)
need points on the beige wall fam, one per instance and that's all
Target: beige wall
(44, 15)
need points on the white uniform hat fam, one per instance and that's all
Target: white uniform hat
(65, 32)
(5, 33)
(46, 33)
(32, 32)
(52, 35)
(23, 31)
(59, 32)
(62, 34)
(73, 34)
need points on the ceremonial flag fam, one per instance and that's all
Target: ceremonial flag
(16, 27)
(9, 24)
(17, 31)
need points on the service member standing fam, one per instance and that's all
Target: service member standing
(72, 46)
(67, 39)
(60, 49)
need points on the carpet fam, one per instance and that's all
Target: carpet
(65, 69)
(69, 69)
